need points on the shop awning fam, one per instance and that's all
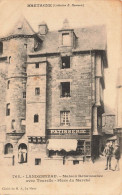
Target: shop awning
(62, 144)
(112, 138)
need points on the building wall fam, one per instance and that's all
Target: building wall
(79, 104)
(36, 104)
(108, 123)
(16, 76)
(3, 72)
(84, 77)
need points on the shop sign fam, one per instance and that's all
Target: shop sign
(68, 131)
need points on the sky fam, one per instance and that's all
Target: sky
(87, 14)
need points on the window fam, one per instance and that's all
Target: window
(37, 91)
(7, 109)
(24, 69)
(25, 45)
(65, 89)
(37, 65)
(36, 118)
(37, 161)
(8, 84)
(24, 85)
(99, 121)
(66, 39)
(1, 47)
(22, 121)
(65, 118)
(13, 124)
(103, 121)
(9, 59)
(65, 62)
(24, 94)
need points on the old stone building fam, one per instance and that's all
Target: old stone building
(118, 129)
(51, 97)
(108, 125)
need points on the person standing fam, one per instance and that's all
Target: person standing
(117, 157)
(108, 151)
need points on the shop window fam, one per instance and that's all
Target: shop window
(8, 84)
(65, 118)
(88, 150)
(37, 91)
(37, 65)
(13, 124)
(22, 153)
(24, 94)
(66, 39)
(7, 109)
(80, 146)
(65, 89)
(37, 161)
(8, 148)
(36, 118)
(65, 62)
(1, 47)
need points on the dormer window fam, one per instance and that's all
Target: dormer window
(66, 39)
(20, 26)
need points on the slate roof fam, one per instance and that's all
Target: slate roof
(21, 27)
(89, 38)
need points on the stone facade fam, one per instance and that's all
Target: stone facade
(51, 89)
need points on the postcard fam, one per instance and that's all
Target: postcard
(60, 97)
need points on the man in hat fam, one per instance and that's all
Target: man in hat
(117, 157)
(108, 151)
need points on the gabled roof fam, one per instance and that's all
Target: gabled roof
(21, 27)
(88, 38)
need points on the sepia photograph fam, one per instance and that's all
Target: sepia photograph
(60, 97)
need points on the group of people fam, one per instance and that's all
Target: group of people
(109, 152)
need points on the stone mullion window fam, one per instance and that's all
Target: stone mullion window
(65, 117)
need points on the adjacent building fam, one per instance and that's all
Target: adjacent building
(51, 97)
(108, 125)
(118, 129)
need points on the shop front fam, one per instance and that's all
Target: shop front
(69, 151)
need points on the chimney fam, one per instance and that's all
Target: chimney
(66, 24)
(42, 28)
